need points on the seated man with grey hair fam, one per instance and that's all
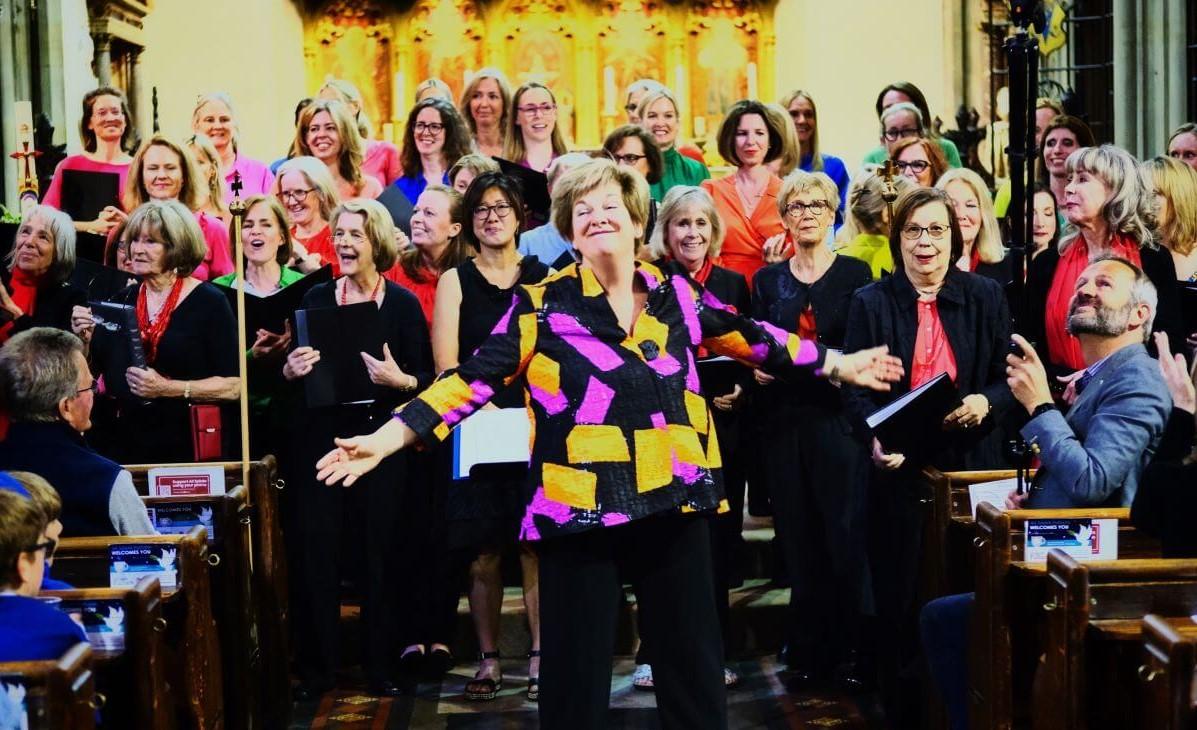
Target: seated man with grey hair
(49, 392)
(545, 242)
(1094, 455)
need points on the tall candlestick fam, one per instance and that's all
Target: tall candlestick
(608, 91)
(751, 80)
(400, 96)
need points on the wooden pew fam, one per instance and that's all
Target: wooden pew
(233, 601)
(269, 659)
(191, 650)
(948, 532)
(133, 679)
(1093, 636)
(59, 695)
(1010, 594)
(1167, 674)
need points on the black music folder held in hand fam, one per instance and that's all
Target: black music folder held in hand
(1188, 313)
(99, 281)
(533, 184)
(271, 312)
(340, 334)
(119, 337)
(913, 423)
(86, 193)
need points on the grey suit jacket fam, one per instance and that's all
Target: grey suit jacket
(1093, 456)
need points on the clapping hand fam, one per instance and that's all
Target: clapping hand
(1177, 376)
(268, 344)
(386, 371)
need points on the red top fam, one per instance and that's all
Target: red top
(22, 288)
(382, 161)
(806, 324)
(932, 351)
(424, 290)
(745, 235)
(322, 244)
(1063, 348)
(53, 197)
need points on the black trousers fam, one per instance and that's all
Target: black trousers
(816, 473)
(343, 531)
(668, 562)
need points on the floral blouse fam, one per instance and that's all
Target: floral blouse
(620, 429)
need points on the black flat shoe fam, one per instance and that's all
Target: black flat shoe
(413, 663)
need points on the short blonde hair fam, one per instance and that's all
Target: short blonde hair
(791, 148)
(62, 236)
(135, 191)
(379, 228)
(1177, 182)
(586, 177)
(677, 201)
(1127, 208)
(652, 97)
(475, 163)
(989, 239)
(214, 183)
(317, 175)
(204, 99)
(349, 161)
(800, 181)
(176, 227)
(350, 94)
(440, 87)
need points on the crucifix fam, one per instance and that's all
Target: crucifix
(25, 156)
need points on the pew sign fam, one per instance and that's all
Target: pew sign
(1081, 538)
(186, 481)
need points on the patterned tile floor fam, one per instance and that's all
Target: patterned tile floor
(760, 702)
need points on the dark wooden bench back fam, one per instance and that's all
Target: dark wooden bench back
(134, 679)
(1167, 676)
(191, 649)
(59, 694)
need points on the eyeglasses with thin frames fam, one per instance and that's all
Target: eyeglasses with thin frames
(296, 196)
(816, 207)
(534, 109)
(913, 233)
(628, 159)
(93, 388)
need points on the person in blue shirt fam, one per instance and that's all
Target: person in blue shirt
(545, 242)
(30, 630)
(801, 106)
(434, 139)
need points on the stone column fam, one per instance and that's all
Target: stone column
(134, 91)
(1149, 78)
(103, 59)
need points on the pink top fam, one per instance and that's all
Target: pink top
(219, 260)
(371, 189)
(53, 197)
(382, 161)
(256, 178)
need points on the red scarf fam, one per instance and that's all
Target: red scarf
(151, 332)
(704, 273)
(974, 258)
(1063, 348)
(22, 289)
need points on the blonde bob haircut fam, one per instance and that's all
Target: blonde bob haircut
(204, 99)
(801, 181)
(471, 88)
(200, 144)
(474, 163)
(513, 146)
(1177, 182)
(174, 226)
(192, 192)
(283, 255)
(349, 94)
(62, 236)
(379, 227)
(433, 87)
(680, 200)
(1127, 209)
(317, 175)
(349, 161)
(584, 178)
(791, 148)
(989, 238)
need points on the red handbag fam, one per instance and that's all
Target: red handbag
(206, 433)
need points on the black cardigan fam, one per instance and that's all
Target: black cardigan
(1157, 265)
(976, 321)
(1166, 503)
(53, 308)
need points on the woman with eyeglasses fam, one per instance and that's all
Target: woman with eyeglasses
(364, 236)
(747, 199)
(938, 319)
(533, 138)
(812, 465)
(483, 514)
(918, 122)
(434, 139)
(919, 161)
(632, 146)
(326, 131)
(307, 192)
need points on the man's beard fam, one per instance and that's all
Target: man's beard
(1104, 321)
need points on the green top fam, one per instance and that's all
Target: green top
(678, 170)
(288, 277)
(879, 154)
(873, 249)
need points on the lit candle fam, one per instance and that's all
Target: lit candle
(608, 91)
(751, 80)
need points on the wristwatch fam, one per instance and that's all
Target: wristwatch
(1043, 408)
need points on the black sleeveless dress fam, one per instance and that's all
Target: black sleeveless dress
(485, 512)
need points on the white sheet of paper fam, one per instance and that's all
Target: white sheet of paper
(186, 481)
(495, 436)
(991, 492)
(1082, 538)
